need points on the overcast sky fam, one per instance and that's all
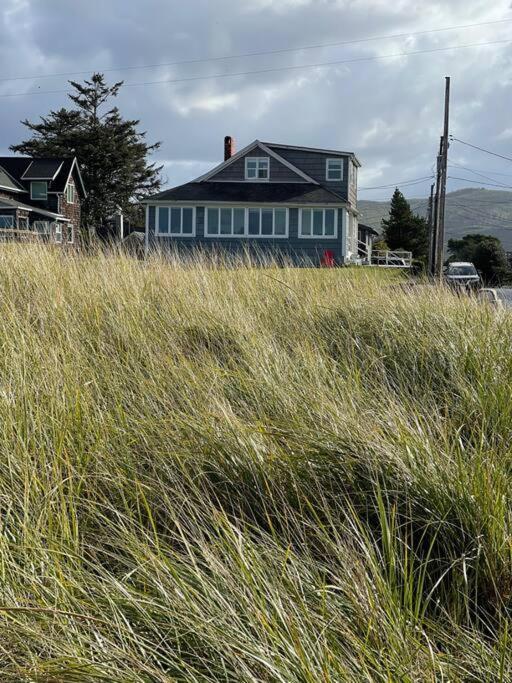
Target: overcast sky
(387, 110)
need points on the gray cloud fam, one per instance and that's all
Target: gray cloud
(388, 111)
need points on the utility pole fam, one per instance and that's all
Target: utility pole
(430, 219)
(442, 185)
(435, 229)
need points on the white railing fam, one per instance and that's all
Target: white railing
(391, 259)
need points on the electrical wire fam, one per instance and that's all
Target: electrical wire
(481, 149)
(287, 50)
(296, 67)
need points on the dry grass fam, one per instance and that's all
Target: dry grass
(241, 474)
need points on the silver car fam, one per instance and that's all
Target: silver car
(462, 274)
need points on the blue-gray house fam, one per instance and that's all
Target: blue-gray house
(296, 201)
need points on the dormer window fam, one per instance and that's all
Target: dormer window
(257, 168)
(334, 170)
(39, 189)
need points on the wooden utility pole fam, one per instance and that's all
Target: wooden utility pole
(442, 184)
(430, 220)
(435, 227)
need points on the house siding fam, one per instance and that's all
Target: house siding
(314, 165)
(279, 173)
(293, 248)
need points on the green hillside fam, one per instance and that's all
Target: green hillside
(467, 211)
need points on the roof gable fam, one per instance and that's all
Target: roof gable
(267, 151)
(56, 171)
(7, 182)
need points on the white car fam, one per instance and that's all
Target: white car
(500, 297)
(462, 274)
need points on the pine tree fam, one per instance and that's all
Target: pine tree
(404, 229)
(113, 154)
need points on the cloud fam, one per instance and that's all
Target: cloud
(388, 110)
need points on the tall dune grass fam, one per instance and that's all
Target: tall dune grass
(250, 475)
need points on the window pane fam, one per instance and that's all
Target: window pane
(329, 221)
(38, 190)
(267, 221)
(225, 221)
(306, 222)
(318, 220)
(187, 221)
(280, 222)
(175, 221)
(213, 222)
(252, 167)
(334, 169)
(238, 221)
(254, 221)
(163, 219)
(263, 168)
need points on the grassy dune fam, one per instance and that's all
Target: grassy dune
(250, 476)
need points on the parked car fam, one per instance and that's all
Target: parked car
(462, 274)
(500, 297)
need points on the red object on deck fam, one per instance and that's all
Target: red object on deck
(328, 259)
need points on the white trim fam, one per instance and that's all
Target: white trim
(38, 199)
(70, 186)
(327, 163)
(73, 164)
(265, 205)
(11, 189)
(174, 234)
(146, 232)
(71, 227)
(258, 161)
(323, 236)
(245, 151)
(246, 234)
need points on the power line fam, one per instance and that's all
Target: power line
(465, 168)
(204, 60)
(481, 149)
(402, 183)
(468, 180)
(277, 69)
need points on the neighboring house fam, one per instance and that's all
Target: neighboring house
(40, 198)
(297, 201)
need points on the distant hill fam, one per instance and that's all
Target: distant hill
(470, 210)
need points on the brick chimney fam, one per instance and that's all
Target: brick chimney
(229, 147)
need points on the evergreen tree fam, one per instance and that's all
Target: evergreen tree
(113, 154)
(404, 229)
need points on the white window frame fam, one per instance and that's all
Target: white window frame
(70, 190)
(245, 234)
(42, 227)
(38, 199)
(328, 162)
(159, 233)
(323, 236)
(58, 233)
(258, 161)
(70, 231)
(13, 221)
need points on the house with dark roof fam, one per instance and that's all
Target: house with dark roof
(270, 198)
(40, 198)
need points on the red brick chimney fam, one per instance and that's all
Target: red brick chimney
(229, 147)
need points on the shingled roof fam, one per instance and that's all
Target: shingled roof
(291, 193)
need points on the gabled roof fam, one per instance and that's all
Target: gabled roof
(56, 171)
(7, 182)
(249, 193)
(249, 148)
(331, 152)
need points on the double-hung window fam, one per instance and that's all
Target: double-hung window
(70, 193)
(334, 170)
(257, 168)
(318, 223)
(58, 232)
(39, 189)
(253, 222)
(175, 221)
